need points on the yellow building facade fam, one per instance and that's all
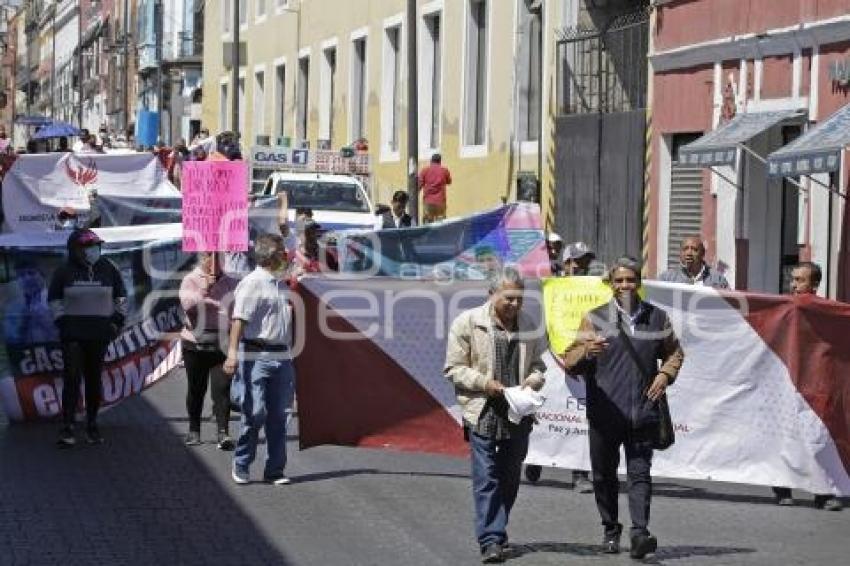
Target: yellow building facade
(330, 72)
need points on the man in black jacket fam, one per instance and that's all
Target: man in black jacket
(623, 388)
(89, 303)
(396, 217)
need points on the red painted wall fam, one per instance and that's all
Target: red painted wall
(695, 21)
(683, 101)
(831, 96)
(776, 76)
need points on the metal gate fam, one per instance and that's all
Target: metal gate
(600, 135)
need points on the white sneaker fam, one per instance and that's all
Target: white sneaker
(240, 477)
(277, 480)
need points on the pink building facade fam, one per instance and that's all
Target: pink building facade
(749, 61)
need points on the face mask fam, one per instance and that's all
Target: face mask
(91, 254)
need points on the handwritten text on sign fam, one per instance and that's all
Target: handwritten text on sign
(215, 206)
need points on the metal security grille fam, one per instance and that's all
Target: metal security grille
(604, 70)
(685, 208)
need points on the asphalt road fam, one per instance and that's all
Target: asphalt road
(144, 498)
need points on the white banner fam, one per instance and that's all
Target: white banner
(739, 416)
(39, 187)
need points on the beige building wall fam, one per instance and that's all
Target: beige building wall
(483, 175)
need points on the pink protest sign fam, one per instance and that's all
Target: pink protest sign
(215, 206)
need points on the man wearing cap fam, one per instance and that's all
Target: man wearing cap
(577, 258)
(89, 303)
(693, 270)
(432, 181)
(555, 247)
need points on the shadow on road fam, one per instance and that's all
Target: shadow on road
(140, 498)
(664, 553)
(336, 474)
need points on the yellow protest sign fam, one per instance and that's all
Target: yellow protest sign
(565, 302)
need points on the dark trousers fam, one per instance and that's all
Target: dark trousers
(83, 361)
(605, 442)
(203, 370)
(496, 470)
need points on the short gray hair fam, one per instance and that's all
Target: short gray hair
(266, 247)
(626, 262)
(497, 279)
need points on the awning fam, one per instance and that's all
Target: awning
(816, 151)
(719, 147)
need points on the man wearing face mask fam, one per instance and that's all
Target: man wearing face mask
(260, 339)
(89, 304)
(618, 345)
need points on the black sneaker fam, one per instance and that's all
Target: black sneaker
(532, 472)
(66, 438)
(193, 438)
(225, 442)
(643, 545)
(93, 435)
(828, 502)
(492, 554)
(611, 542)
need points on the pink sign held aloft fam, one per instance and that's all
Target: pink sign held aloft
(215, 206)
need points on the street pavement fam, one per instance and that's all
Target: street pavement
(143, 498)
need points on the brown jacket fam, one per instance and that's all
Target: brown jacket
(470, 351)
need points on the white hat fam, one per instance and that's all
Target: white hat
(553, 237)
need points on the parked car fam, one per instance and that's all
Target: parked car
(338, 202)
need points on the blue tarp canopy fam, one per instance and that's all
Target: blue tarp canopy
(33, 120)
(56, 130)
(816, 151)
(719, 147)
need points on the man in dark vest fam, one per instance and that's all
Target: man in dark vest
(619, 344)
(396, 216)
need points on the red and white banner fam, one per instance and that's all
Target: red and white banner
(763, 396)
(37, 188)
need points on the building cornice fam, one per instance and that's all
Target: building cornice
(780, 41)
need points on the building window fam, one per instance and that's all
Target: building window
(260, 10)
(301, 98)
(280, 99)
(227, 16)
(222, 109)
(243, 12)
(326, 95)
(259, 104)
(391, 88)
(358, 89)
(241, 103)
(431, 77)
(528, 73)
(475, 74)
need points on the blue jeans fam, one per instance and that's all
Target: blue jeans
(496, 470)
(269, 390)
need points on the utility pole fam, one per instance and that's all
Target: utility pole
(234, 80)
(158, 24)
(53, 67)
(126, 66)
(541, 88)
(412, 113)
(80, 64)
